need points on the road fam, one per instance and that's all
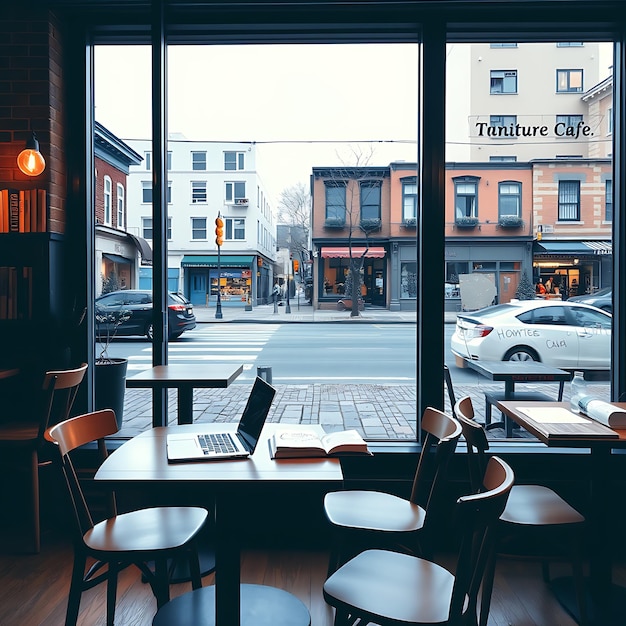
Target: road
(300, 353)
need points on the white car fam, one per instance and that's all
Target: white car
(563, 334)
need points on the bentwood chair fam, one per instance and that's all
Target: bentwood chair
(364, 519)
(22, 432)
(391, 588)
(135, 538)
(536, 509)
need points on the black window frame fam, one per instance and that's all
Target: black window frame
(565, 203)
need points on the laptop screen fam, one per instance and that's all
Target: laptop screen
(255, 413)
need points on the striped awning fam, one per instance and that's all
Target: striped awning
(357, 251)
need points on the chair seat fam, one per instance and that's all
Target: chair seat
(152, 529)
(535, 505)
(373, 510)
(406, 589)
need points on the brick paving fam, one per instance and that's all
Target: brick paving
(377, 411)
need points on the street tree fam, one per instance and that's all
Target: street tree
(294, 222)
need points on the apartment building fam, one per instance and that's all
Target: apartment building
(207, 180)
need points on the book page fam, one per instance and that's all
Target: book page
(297, 439)
(551, 415)
(342, 438)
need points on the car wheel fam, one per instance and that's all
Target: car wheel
(150, 332)
(521, 355)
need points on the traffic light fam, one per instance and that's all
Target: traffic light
(219, 231)
(296, 265)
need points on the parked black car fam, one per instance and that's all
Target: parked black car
(135, 307)
(603, 299)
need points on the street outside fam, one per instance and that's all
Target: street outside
(336, 372)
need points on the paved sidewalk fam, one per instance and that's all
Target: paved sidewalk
(377, 411)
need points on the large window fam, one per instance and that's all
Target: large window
(608, 200)
(509, 199)
(569, 81)
(146, 228)
(198, 192)
(235, 228)
(234, 161)
(370, 201)
(198, 160)
(409, 199)
(465, 199)
(235, 192)
(335, 202)
(198, 228)
(108, 200)
(146, 192)
(120, 206)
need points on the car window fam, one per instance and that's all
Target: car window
(589, 318)
(554, 315)
(113, 299)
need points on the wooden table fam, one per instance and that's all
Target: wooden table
(142, 462)
(512, 372)
(185, 378)
(608, 601)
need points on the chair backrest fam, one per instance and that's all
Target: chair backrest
(477, 516)
(74, 433)
(441, 434)
(59, 392)
(476, 439)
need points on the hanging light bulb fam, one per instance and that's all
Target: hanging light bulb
(30, 160)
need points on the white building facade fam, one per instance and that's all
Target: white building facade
(207, 179)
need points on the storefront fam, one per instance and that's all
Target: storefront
(333, 270)
(576, 267)
(234, 277)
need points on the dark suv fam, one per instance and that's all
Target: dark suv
(135, 308)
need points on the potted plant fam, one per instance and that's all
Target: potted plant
(110, 373)
(510, 221)
(466, 221)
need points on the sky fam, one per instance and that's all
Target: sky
(305, 105)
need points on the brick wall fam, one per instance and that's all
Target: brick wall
(31, 96)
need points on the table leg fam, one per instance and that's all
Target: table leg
(227, 566)
(185, 404)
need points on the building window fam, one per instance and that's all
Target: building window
(335, 201)
(566, 121)
(235, 228)
(146, 228)
(408, 280)
(409, 200)
(503, 159)
(107, 200)
(370, 200)
(198, 227)
(608, 200)
(569, 44)
(509, 199)
(503, 126)
(465, 199)
(503, 45)
(234, 161)
(198, 192)
(569, 81)
(120, 206)
(235, 191)
(148, 160)
(569, 201)
(609, 121)
(503, 81)
(146, 192)
(198, 160)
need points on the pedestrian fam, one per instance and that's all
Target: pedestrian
(549, 285)
(276, 292)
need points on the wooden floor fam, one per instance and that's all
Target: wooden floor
(33, 588)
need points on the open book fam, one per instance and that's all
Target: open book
(288, 444)
(603, 412)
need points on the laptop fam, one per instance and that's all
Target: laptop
(226, 444)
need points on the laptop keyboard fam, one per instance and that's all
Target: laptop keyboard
(220, 443)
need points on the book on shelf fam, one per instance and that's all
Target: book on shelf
(23, 211)
(303, 443)
(603, 412)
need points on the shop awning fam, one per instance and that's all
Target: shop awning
(211, 261)
(600, 247)
(143, 246)
(357, 251)
(116, 258)
(571, 248)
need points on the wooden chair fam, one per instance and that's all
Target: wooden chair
(374, 518)
(529, 507)
(135, 538)
(22, 433)
(390, 588)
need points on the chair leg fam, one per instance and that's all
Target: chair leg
(161, 581)
(76, 589)
(34, 506)
(487, 588)
(112, 592)
(194, 567)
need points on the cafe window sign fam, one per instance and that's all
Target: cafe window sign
(559, 128)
